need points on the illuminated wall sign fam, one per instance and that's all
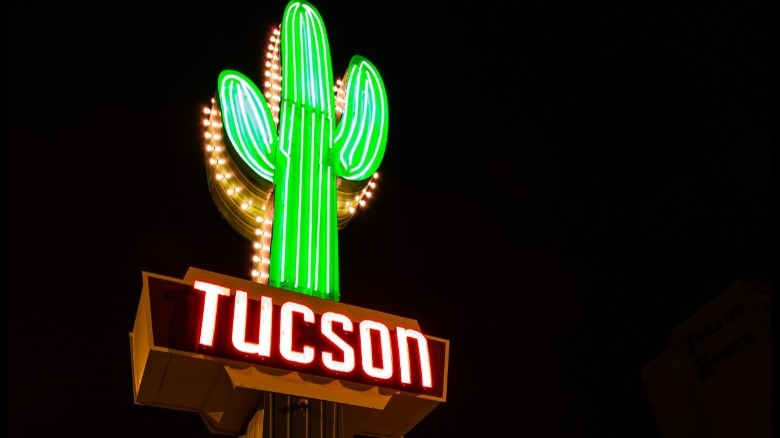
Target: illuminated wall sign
(288, 167)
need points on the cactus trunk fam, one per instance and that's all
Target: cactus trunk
(304, 247)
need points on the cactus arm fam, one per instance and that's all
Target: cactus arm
(248, 122)
(361, 135)
(240, 195)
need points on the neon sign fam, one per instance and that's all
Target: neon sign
(369, 332)
(288, 167)
(276, 328)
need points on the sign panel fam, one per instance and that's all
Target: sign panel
(726, 350)
(273, 327)
(219, 341)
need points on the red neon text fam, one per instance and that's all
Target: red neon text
(375, 339)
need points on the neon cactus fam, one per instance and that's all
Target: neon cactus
(301, 170)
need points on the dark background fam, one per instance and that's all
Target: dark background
(564, 183)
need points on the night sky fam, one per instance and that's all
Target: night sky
(564, 183)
